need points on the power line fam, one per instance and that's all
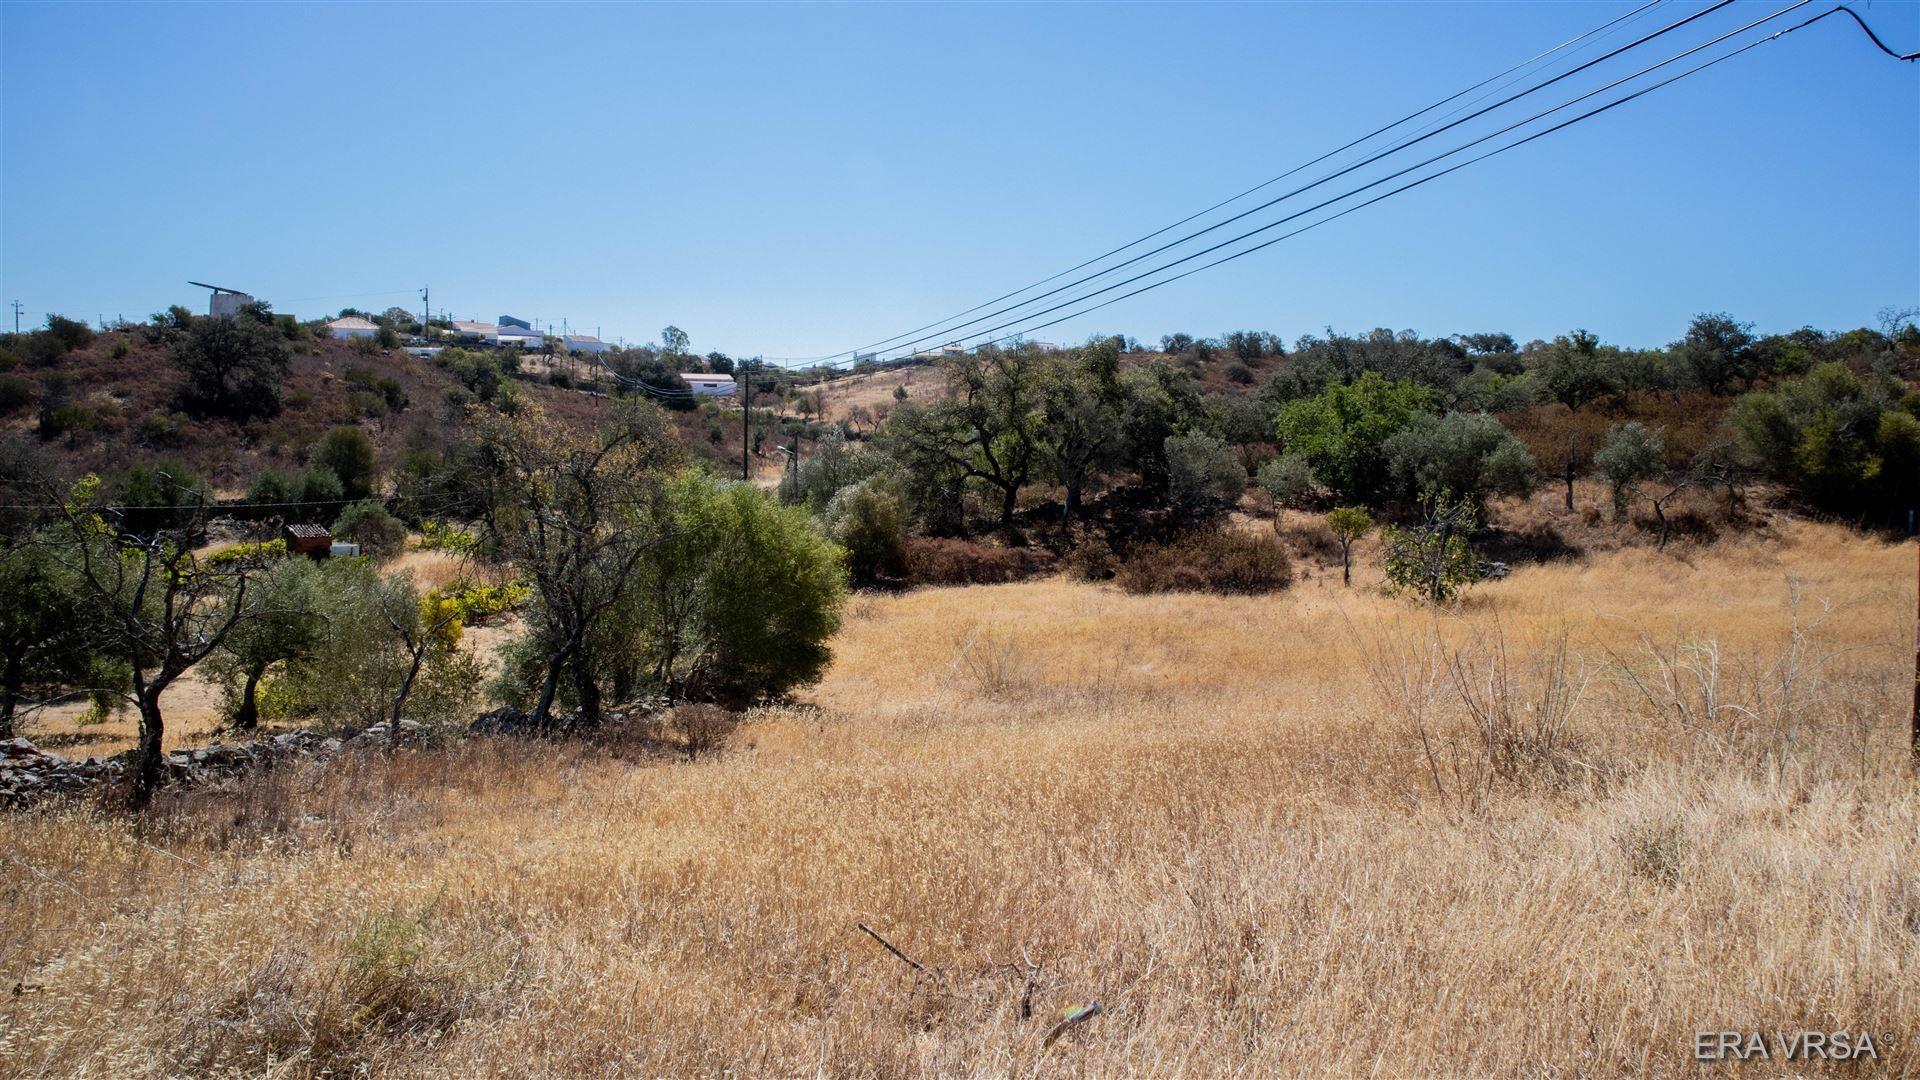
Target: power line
(1610, 24)
(1336, 174)
(1840, 9)
(1604, 27)
(1384, 179)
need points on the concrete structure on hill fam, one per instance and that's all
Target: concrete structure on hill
(225, 302)
(710, 385)
(352, 326)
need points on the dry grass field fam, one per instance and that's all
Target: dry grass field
(1601, 806)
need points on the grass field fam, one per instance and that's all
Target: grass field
(1603, 805)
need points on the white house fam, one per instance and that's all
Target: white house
(710, 385)
(476, 331)
(585, 343)
(352, 326)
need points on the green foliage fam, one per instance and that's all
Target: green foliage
(1342, 432)
(1204, 477)
(1431, 558)
(71, 334)
(1841, 441)
(1288, 480)
(477, 602)
(351, 678)
(1715, 351)
(234, 368)
(1469, 454)
(1349, 523)
(16, 393)
(1632, 454)
(869, 523)
(46, 631)
(447, 537)
(287, 624)
(738, 600)
(349, 455)
(163, 496)
(834, 464)
(368, 524)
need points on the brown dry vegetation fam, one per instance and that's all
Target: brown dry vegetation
(1604, 804)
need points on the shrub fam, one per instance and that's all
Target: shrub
(1469, 454)
(1204, 477)
(368, 524)
(1237, 372)
(1222, 560)
(1431, 558)
(868, 521)
(950, 561)
(121, 347)
(234, 368)
(166, 430)
(16, 393)
(71, 334)
(1343, 431)
(1632, 454)
(1288, 479)
(349, 455)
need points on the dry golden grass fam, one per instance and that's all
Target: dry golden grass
(1213, 816)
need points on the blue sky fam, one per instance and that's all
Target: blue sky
(799, 179)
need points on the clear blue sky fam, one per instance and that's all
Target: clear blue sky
(800, 179)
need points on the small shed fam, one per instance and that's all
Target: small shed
(313, 541)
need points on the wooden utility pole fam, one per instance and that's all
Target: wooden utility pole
(1915, 744)
(746, 419)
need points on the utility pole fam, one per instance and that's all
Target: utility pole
(746, 418)
(16, 316)
(426, 314)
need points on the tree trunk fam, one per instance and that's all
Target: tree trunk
(1346, 564)
(146, 771)
(247, 717)
(400, 699)
(1570, 475)
(543, 709)
(586, 689)
(1072, 504)
(1008, 497)
(10, 696)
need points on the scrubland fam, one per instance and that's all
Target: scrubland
(1601, 805)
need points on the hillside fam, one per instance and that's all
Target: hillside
(129, 391)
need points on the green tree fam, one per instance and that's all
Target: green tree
(348, 454)
(1574, 371)
(1288, 480)
(1349, 523)
(289, 623)
(47, 644)
(234, 367)
(1839, 440)
(1715, 351)
(988, 431)
(1342, 432)
(1631, 454)
(868, 522)
(1431, 558)
(1204, 477)
(739, 598)
(1466, 453)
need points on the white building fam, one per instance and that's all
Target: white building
(476, 331)
(352, 326)
(225, 302)
(585, 343)
(710, 385)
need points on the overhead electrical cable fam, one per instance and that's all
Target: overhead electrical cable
(1598, 30)
(948, 332)
(1840, 9)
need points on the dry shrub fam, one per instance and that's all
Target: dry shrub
(988, 660)
(1219, 561)
(1315, 543)
(948, 561)
(704, 729)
